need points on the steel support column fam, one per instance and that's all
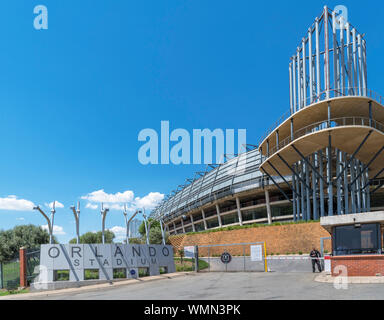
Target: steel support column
(218, 215)
(329, 176)
(239, 211)
(269, 214)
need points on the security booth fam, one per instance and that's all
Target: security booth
(356, 239)
(356, 243)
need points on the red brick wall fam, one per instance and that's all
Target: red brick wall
(362, 265)
(290, 238)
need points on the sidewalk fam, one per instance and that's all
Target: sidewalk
(327, 278)
(22, 296)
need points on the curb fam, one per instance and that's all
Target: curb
(327, 278)
(22, 296)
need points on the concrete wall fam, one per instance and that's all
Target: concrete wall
(290, 238)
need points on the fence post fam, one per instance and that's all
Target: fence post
(23, 267)
(265, 257)
(1, 276)
(196, 259)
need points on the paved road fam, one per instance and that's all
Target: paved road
(238, 286)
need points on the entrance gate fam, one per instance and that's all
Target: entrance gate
(234, 257)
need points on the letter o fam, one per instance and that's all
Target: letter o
(57, 251)
(166, 249)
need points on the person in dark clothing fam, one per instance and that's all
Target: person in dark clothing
(315, 255)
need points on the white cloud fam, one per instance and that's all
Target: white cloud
(119, 232)
(20, 219)
(57, 205)
(114, 206)
(116, 201)
(149, 201)
(13, 204)
(57, 230)
(91, 206)
(101, 196)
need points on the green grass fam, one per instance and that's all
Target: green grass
(9, 292)
(11, 275)
(254, 225)
(119, 273)
(143, 272)
(61, 275)
(91, 274)
(188, 264)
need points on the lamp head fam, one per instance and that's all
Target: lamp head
(53, 207)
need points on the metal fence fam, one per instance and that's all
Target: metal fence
(239, 258)
(10, 270)
(235, 257)
(10, 274)
(293, 263)
(32, 258)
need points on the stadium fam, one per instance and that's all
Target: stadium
(323, 157)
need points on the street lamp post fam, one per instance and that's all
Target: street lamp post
(147, 225)
(103, 216)
(49, 221)
(76, 213)
(162, 230)
(128, 222)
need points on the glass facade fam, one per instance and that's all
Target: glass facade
(254, 214)
(277, 211)
(377, 201)
(211, 213)
(188, 229)
(229, 219)
(212, 223)
(197, 217)
(199, 227)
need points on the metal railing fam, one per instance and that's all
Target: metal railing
(10, 274)
(324, 125)
(33, 261)
(217, 195)
(333, 93)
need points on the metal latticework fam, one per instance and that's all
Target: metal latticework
(330, 61)
(237, 174)
(32, 257)
(334, 160)
(324, 156)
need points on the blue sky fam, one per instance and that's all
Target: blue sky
(74, 97)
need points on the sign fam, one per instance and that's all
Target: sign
(226, 258)
(76, 258)
(257, 253)
(189, 252)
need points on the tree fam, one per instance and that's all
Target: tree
(154, 224)
(28, 236)
(135, 241)
(181, 254)
(95, 237)
(155, 235)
